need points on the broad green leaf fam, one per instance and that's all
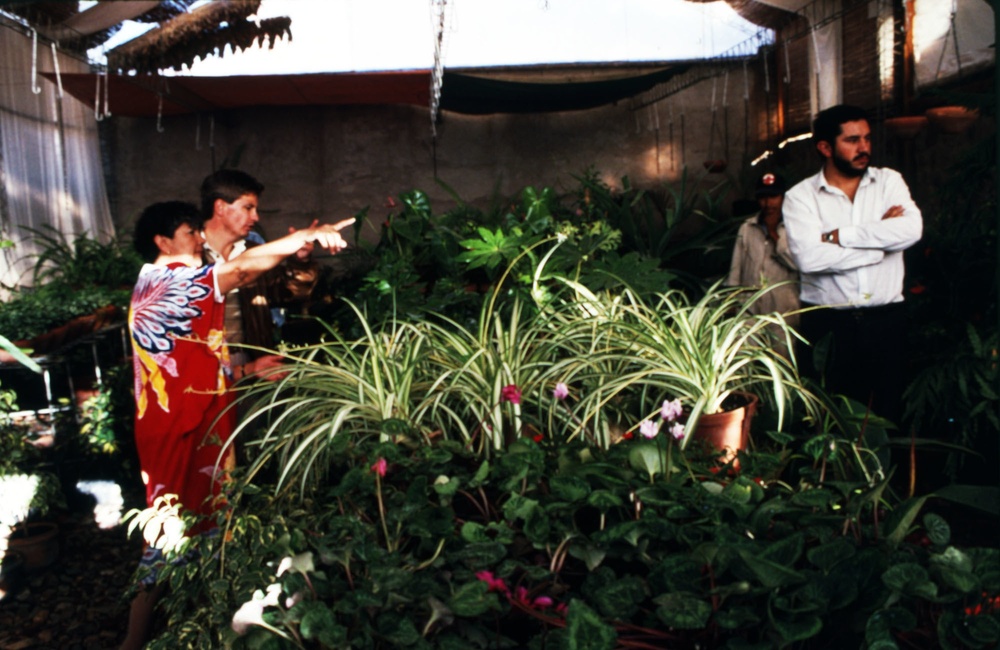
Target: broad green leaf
(472, 599)
(797, 628)
(683, 611)
(937, 529)
(591, 555)
(586, 630)
(604, 500)
(771, 574)
(830, 554)
(569, 488)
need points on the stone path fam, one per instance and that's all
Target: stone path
(78, 602)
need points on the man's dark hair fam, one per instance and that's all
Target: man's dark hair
(162, 219)
(826, 126)
(228, 185)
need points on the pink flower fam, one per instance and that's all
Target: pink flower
(510, 393)
(542, 602)
(677, 430)
(521, 596)
(380, 466)
(561, 391)
(670, 411)
(493, 583)
(649, 429)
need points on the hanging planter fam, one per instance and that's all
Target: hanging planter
(952, 119)
(906, 127)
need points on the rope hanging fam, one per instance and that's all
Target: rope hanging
(788, 69)
(107, 84)
(746, 107)
(944, 46)
(711, 129)
(767, 73)
(159, 114)
(670, 134)
(35, 88)
(55, 64)
(725, 115)
(97, 98)
(98, 113)
(439, 9)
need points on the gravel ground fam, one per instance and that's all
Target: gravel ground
(78, 602)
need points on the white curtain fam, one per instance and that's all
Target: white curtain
(943, 49)
(50, 161)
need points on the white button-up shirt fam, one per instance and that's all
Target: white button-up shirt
(866, 268)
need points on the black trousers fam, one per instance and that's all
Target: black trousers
(864, 354)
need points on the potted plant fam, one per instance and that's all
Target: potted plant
(711, 353)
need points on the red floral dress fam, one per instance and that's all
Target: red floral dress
(181, 366)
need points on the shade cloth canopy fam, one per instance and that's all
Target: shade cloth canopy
(140, 96)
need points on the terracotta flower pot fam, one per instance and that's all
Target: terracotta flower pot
(728, 431)
(907, 126)
(952, 119)
(39, 547)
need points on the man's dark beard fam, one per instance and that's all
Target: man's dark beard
(844, 167)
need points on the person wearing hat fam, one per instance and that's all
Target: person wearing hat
(761, 257)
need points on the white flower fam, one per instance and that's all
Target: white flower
(300, 563)
(252, 611)
(294, 599)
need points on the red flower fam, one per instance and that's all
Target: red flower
(379, 467)
(510, 393)
(917, 289)
(537, 437)
(628, 435)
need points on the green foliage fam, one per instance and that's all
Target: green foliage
(447, 550)
(31, 312)
(952, 283)
(29, 486)
(427, 263)
(958, 395)
(100, 442)
(84, 261)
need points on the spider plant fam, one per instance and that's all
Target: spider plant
(671, 346)
(371, 386)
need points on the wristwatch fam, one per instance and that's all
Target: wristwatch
(828, 237)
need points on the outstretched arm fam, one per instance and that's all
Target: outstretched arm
(250, 265)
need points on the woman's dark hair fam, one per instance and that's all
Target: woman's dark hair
(162, 219)
(228, 185)
(826, 126)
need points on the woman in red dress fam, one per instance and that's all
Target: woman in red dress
(181, 364)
